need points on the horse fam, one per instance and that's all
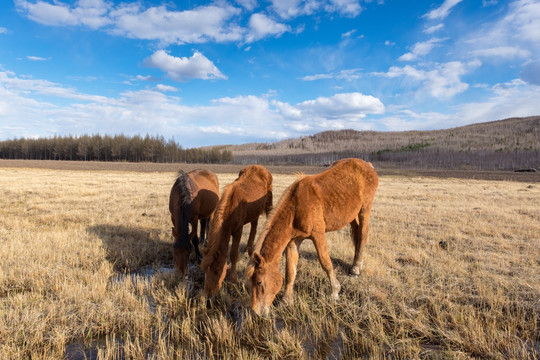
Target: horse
(313, 205)
(193, 197)
(242, 202)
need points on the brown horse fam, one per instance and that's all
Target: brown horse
(310, 207)
(193, 197)
(242, 202)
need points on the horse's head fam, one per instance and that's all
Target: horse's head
(181, 252)
(214, 265)
(266, 281)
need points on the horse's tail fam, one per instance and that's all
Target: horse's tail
(218, 241)
(269, 195)
(183, 203)
(269, 203)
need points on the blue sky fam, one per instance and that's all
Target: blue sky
(231, 72)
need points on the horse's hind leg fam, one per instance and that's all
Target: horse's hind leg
(359, 233)
(237, 235)
(195, 241)
(204, 230)
(319, 241)
(251, 239)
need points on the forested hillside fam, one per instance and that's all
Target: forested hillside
(504, 144)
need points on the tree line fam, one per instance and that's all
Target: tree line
(415, 156)
(111, 148)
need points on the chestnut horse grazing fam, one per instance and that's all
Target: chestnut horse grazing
(242, 202)
(193, 197)
(310, 207)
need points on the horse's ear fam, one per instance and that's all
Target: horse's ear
(258, 260)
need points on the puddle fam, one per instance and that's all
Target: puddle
(79, 351)
(145, 274)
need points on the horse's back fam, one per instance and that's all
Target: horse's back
(338, 194)
(204, 191)
(205, 179)
(253, 187)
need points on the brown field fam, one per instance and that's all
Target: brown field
(274, 169)
(452, 270)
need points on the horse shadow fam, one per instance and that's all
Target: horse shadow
(132, 249)
(339, 265)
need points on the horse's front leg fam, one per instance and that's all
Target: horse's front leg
(290, 268)
(251, 239)
(319, 241)
(237, 235)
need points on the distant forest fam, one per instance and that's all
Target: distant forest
(509, 144)
(111, 148)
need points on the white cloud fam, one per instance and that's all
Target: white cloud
(508, 52)
(349, 8)
(531, 72)
(345, 105)
(287, 110)
(10, 82)
(91, 13)
(145, 77)
(248, 4)
(262, 26)
(199, 25)
(442, 82)
(293, 8)
(151, 111)
(515, 33)
(442, 11)
(36, 58)
(287, 9)
(348, 33)
(218, 22)
(348, 75)
(183, 68)
(511, 99)
(434, 28)
(420, 49)
(164, 88)
(3, 30)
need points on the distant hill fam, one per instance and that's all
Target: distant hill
(498, 145)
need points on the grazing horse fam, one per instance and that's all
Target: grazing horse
(193, 197)
(310, 207)
(242, 202)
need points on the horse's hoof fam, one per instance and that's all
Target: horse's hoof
(354, 272)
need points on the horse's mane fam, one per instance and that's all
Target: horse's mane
(216, 226)
(181, 182)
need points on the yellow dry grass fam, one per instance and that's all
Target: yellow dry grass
(452, 270)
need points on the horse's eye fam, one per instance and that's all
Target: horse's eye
(259, 283)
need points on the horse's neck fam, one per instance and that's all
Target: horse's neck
(279, 235)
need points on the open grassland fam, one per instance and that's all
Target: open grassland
(452, 270)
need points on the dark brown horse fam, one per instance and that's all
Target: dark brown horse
(193, 197)
(242, 202)
(310, 207)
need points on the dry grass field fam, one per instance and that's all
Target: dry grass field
(452, 271)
